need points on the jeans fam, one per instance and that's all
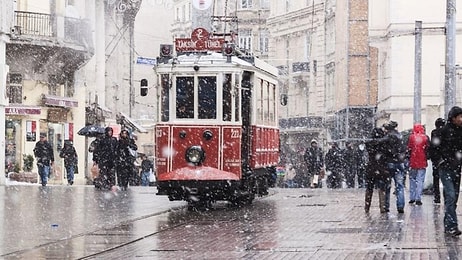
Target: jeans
(70, 173)
(145, 178)
(416, 182)
(44, 172)
(451, 187)
(397, 174)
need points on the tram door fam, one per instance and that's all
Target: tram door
(56, 139)
(246, 118)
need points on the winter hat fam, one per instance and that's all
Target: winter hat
(453, 112)
(391, 125)
(314, 141)
(440, 122)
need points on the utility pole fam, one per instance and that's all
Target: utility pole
(418, 73)
(449, 75)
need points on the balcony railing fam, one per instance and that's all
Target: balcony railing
(70, 30)
(33, 24)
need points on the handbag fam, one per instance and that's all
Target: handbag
(152, 176)
(94, 171)
(132, 152)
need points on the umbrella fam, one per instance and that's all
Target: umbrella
(91, 131)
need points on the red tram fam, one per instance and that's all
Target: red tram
(217, 135)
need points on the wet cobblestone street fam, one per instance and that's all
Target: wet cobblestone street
(79, 222)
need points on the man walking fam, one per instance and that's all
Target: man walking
(435, 156)
(396, 156)
(44, 155)
(106, 160)
(449, 168)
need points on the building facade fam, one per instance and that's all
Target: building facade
(45, 44)
(391, 32)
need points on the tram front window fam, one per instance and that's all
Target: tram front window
(185, 97)
(207, 98)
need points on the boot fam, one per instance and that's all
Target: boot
(368, 199)
(382, 201)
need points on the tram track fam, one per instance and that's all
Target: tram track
(115, 238)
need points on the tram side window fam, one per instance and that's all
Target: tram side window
(185, 97)
(227, 97)
(207, 97)
(165, 84)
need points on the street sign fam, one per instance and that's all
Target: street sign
(147, 61)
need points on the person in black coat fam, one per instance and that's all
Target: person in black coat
(44, 155)
(449, 166)
(334, 165)
(315, 162)
(70, 160)
(376, 168)
(106, 162)
(434, 153)
(125, 160)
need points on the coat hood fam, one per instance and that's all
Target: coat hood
(440, 122)
(453, 112)
(418, 129)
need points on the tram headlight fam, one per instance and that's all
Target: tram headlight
(195, 155)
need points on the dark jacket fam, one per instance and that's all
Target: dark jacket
(377, 150)
(334, 160)
(123, 156)
(434, 151)
(106, 150)
(69, 154)
(451, 143)
(396, 149)
(314, 159)
(146, 165)
(43, 152)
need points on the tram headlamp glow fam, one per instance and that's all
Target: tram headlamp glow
(195, 155)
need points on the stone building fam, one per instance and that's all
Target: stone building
(44, 46)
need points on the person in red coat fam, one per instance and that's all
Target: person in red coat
(417, 147)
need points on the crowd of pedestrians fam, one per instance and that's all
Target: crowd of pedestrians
(382, 162)
(115, 161)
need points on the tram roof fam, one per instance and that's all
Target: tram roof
(218, 58)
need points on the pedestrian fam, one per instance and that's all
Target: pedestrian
(376, 169)
(417, 149)
(450, 167)
(105, 151)
(315, 162)
(434, 153)
(125, 158)
(302, 178)
(146, 168)
(396, 157)
(289, 176)
(334, 166)
(69, 155)
(44, 155)
(351, 164)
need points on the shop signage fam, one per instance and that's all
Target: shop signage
(59, 101)
(200, 41)
(22, 110)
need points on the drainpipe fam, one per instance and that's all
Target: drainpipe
(449, 75)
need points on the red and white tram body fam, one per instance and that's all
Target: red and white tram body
(217, 135)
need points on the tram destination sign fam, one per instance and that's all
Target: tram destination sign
(200, 41)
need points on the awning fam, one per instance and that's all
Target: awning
(22, 110)
(58, 101)
(127, 121)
